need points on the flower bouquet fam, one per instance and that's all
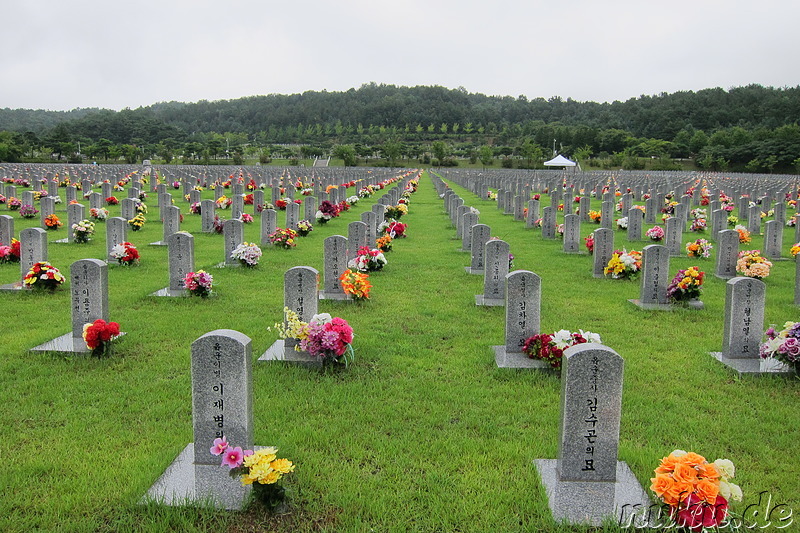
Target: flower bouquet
(283, 237)
(125, 253)
(396, 230)
(52, 222)
(98, 336)
(699, 248)
(560, 228)
(141, 207)
(550, 348)
(795, 249)
(733, 221)
(304, 227)
(247, 254)
(656, 233)
(744, 234)
(355, 284)
(352, 200)
(789, 223)
(10, 253)
(82, 231)
(27, 211)
(699, 225)
(622, 223)
(752, 264)
(43, 275)
(329, 338)
(589, 240)
(137, 222)
(624, 264)
(198, 283)
(112, 200)
(686, 285)
(695, 491)
(246, 218)
(219, 224)
(326, 211)
(595, 216)
(223, 202)
(784, 345)
(98, 213)
(248, 199)
(395, 211)
(281, 204)
(14, 204)
(262, 469)
(384, 243)
(195, 208)
(368, 260)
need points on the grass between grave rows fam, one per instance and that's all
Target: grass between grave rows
(422, 433)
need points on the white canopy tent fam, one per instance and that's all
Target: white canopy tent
(559, 161)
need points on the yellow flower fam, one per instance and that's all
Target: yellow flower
(284, 466)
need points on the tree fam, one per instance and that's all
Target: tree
(347, 153)
(392, 150)
(486, 155)
(531, 152)
(440, 151)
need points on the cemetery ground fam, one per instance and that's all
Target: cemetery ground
(421, 433)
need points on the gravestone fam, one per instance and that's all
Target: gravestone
(368, 218)
(719, 221)
(233, 234)
(116, 233)
(292, 215)
(533, 213)
(300, 294)
(519, 203)
(258, 199)
(572, 234)
(523, 311)
(48, 207)
(27, 198)
(208, 210)
(672, 236)
(549, 222)
(743, 327)
(181, 262)
(481, 233)
(380, 212)
(32, 249)
(75, 214)
(754, 220)
(237, 206)
(460, 211)
(587, 484)
(128, 208)
(650, 210)
(269, 218)
(584, 207)
(467, 221)
(310, 208)
(655, 278)
(356, 238)
(6, 229)
(72, 193)
(603, 250)
(172, 223)
(95, 200)
(773, 240)
(727, 254)
(335, 262)
(194, 197)
(494, 275)
(133, 192)
(222, 405)
(635, 221)
(607, 215)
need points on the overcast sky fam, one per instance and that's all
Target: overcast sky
(63, 54)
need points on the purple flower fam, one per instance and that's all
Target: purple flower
(770, 333)
(791, 347)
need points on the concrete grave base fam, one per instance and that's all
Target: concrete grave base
(504, 359)
(171, 293)
(475, 271)
(65, 344)
(696, 304)
(61, 241)
(592, 502)
(334, 296)
(159, 243)
(480, 299)
(16, 286)
(754, 366)
(228, 265)
(279, 352)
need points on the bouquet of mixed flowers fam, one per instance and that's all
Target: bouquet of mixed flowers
(219, 224)
(304, 227)
(125, 253)
(352, 200)
(281, 204)
(789, 223)
(698, 213)
(589, 240)
(624, 264)
(43, 275)
(140, 206)
(752, 264)
(246, 218)
(137, 222)
(261, 468)
(112, 200)
(82, 231)
(98, 336)
(733, 221)
(27, 211)
(395, 211)
(14, 203)
(698, 225)
(696, 491)
(52, 222)
(550, 347)
(396, 230)
(198, 283)
(595, 216)
(284, 237)
(699, 248)
(355, 284)
(195, 208)
(326, 211)
(98, 213)
(686, 285)
(248, 199)
(560, 228)
(784, 345)
(247, 254)
(368, 260)
(656, 233)
(744, 234)
(9, 253)
(223, 202)
(384, 243)
(329, 338)
(795, 249)
(622, 223)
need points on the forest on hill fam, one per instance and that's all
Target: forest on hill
(745, 128)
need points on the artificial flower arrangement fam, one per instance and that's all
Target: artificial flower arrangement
(656, 233)
(82, 230)
(595, 216)
(789, 223)
(784, 345)
(698, 213)
(112, 200)
(795, 249)
(195, 208)
(28, 211)
(396, 230)
(744, 234)
(699, 225)
(176, 184)
(246, 218)
(125, 253)
(248, 199)
(3, 199)
(323, 336)
(589, 240)
(352, 200)
(9, 253)
(247, 254)
(686, 285)
(223, 202)
(43, 275)
(343, 206)
(198, 283)
(695, 491)
(733, 221)
(368, 260)
(622, 223)
(52, 222)
(395, 211)
(137, 222)
(384, 243)
(699, 248)
(283, 237)
(281, 204)
(98, 213)
(98, 336)
(326, 211)
(219, 224)
(140, 206)
(624, 264)
(560, 228)
(14, 204)
(355, 284)
(550, 347)
(752, 264)
(491, 195)
(304, 227)
(366, 192)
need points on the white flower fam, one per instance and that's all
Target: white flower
(590, 337)
(730, 491)
(321, 318)
(725, 468)
(562, 338)
(678, 453)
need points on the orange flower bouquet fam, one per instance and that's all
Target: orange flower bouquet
(355, 284)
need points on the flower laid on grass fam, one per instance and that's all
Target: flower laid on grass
(656, 233)
(195, 208)
(198, 283)
(137, 222)
(281, 204)
(52, 222)
(219, 224)
(246, 218)
(368, 260)
(733, 221)
(595, 216)
(395, 211)
(125, 253)
(699, 248)
(112, 200)
(699, 225)
(624, 264)
(223, 202)
(550, 347)
(744, 235)
(304, 227)
(384, 243)
(283, 237)
(98, 213)
(695, 491)
(795, 249)
(261, 468)
(355, 284)
(784, 345)
(43, 275)
(752, 264)
(82, 230)
(14, 204)
(622, 223)
(686, 285)
(9, 253)
(247, 254)
(28, 211)
(326, 211)
(98, 336)
(589, 240)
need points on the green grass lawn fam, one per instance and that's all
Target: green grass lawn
(422, 433)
